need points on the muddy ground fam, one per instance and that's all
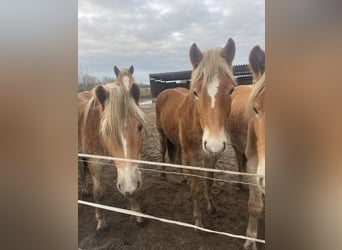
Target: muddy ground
(168, 199)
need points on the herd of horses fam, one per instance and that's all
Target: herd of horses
(194, 127)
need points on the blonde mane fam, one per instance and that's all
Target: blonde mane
(211, 64)
(259, 87)
(119, 108)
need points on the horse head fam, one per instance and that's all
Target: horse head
(212, 83)
(121, 129)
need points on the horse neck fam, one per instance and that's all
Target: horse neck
(188, 115)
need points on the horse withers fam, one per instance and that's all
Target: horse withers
(111, 123)
(246, 125)
(194, 121)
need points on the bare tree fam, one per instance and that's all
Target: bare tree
(107, 79)
(85, 80)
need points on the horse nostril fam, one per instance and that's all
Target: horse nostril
(205, 144)
(119, 186)
(138, 185)
(224, 146)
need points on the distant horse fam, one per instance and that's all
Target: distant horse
(125, 77)
(111, 123)
(194, 121)
(246, 125)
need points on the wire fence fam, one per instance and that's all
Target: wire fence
(134, 213)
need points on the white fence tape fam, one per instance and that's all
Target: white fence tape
(178, 173)
(130, 212)
(168, 165)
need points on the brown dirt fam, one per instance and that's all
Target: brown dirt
(167, 199)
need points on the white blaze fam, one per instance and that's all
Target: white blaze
(128, 175)
(125, 80)
(124, 145)
(212, 90)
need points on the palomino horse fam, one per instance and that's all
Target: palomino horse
(124, 77)
(194, 120)
(246, 125)
(111, 123)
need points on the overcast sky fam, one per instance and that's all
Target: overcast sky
(155, 36)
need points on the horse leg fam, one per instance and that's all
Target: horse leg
(135, 207)
(95, 173)
(255, 207)
(163, 146)
(175, 156)
(209, 163)
(195, 193)
(179, 162)
(242, 164)
(82, 166)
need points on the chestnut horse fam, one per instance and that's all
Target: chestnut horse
(194, 121)
(125, 77)
(111, 123)
(174, 152)
(246, 125)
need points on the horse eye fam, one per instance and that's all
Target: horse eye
(196, 94)
(255, 110)
(140, 127)
(231, 91)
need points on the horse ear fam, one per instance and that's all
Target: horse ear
(116, 71)
(101, 95)
(131, 69)
(257, 61)
(135, 92)
(195, 55)
(228, 52)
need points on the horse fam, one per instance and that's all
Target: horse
(111, 123)
(246, 126)
(125, 77)
(193, 121)
(237, 124)
(174, 152)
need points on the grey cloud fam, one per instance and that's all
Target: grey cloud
(155, 36)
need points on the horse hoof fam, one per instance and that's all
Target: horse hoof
(140, 220)
(243, 187)
(142, 223)
(102, 229)
(85, 193)
(212, 212)
(250, 245)
(183, 180)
